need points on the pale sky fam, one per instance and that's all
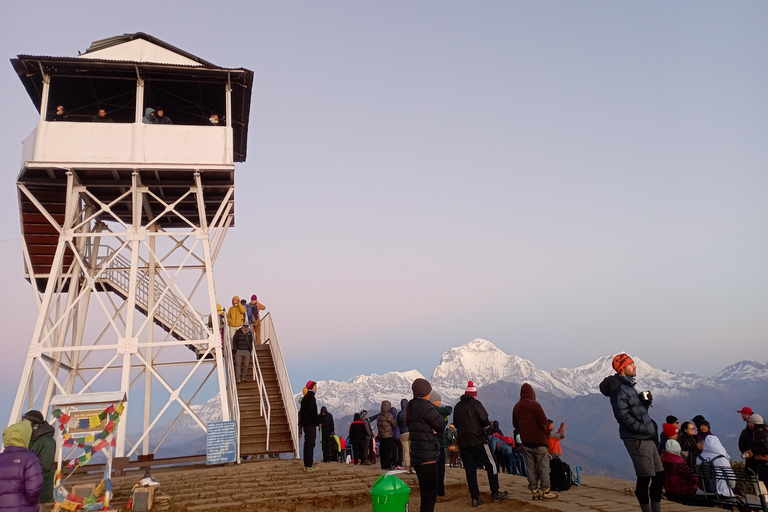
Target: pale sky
(564, 179)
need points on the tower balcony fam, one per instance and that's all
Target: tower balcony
(53, 143)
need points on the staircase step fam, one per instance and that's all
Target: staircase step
(262, 438)
(248, 426)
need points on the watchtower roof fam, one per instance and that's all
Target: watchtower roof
(141, 47)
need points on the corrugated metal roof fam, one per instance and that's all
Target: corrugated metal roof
(130, 63)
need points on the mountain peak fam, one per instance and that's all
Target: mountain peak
(484, 363)
(743, 370)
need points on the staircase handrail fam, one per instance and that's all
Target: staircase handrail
(269, 335)
(168, 309)
(258, 376)
(234, 403)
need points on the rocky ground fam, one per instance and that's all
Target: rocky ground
(281, 485)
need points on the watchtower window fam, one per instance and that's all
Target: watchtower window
(83, 97)
(187, 103)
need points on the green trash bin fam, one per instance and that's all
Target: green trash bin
(390, 494)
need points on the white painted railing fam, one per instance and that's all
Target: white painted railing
(234, 404)
(263, 396)
(268, 335)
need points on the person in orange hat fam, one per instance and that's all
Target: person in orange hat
(637, 430)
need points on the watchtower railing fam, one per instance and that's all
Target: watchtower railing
(234, 403)
(263, 396)
(269, 335)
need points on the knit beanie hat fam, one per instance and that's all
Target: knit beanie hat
(421, 388)
(669, 430)
(621, 361)
(471, 390)
(756, 419)
(253, 297)
(435, 397)
(34, 417)
(310, 385)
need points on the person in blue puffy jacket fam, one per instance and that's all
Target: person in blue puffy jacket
(637, 430)
(21, 478)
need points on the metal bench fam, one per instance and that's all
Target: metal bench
(748, 492)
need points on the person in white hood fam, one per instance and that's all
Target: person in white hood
(715, 453)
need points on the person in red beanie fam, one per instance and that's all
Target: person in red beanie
(471, 419)
(637, 430)
(308, 421)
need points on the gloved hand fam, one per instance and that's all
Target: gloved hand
(646, 398)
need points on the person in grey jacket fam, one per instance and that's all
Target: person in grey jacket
(637, 430)
(385, 422)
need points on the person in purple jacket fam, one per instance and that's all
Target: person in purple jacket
(21, 478)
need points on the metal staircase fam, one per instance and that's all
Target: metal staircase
(171, 314)
(266, 413)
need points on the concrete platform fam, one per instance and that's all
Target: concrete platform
(278, 485)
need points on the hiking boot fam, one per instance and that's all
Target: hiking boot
(548, 495)
(476, 502)
(535, 494)
(501, 495)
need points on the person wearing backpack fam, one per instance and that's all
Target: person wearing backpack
(637, 430)
(714, 456)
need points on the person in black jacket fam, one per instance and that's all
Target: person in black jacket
(357, 436)
(747, 436)
(242, 345)
(326, 435)
(637, 430)
(423, 421)
(308, 421)
(471, 420)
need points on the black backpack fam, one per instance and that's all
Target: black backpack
(709, 473)
(559, 475)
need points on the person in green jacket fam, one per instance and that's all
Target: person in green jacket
(43, 445)
(442, 439)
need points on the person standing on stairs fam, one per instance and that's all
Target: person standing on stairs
(242, 345)
(308, 421)
(253, 309)
(235, 316)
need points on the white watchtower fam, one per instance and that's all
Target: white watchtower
(122, 221)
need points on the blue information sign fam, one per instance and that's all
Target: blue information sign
(221, 446)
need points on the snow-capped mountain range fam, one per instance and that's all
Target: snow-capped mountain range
(484, 363)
